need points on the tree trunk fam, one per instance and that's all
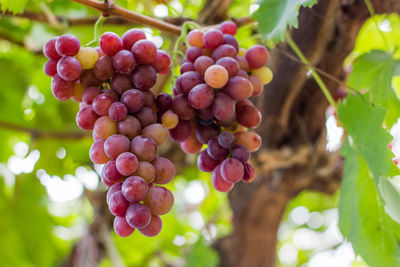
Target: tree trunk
(293, 156)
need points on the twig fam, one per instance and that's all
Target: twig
(132, 16)
(36, 133)
(316, 76)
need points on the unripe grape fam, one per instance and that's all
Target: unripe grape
(87, 56)
(216, 76)
(264, 74)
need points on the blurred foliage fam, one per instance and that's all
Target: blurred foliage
(40, 230)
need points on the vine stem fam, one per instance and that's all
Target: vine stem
(315, 74)
(97, 25)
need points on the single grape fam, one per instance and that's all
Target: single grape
(248, 116)
(257, 85)
(104, 69)
(231, 122)
(187, 81)
(216, 76)
(110, 43)
(231, 40)
(205, 163)
(86, 118)
(159, 200)
(121, 83)
(169, 119)
(232, 170)
(181, 107)
(192, 53)
(110, 172)
(226, 139)
(243, 74)
(50, 67)
(61, 89)
(165, 170)
(228, 27)
(146, 116)
(202, 63)
(215, 150)
(67, 45)
(112, 93)
(144, 148)
(195, 38)
(225, 50)
(124, 62)
(212, 39)
(144, 77)
(218, 182)
(133, 99)
(115, 145)
(154, 227)
(157, 132)
(163, 101)
(49, 49)
(121, 227)
(205, 133)
(146, 170)
(241, 153)
(144, 51)
(249, 139)
(138, 215)
(187, 66)
(118, 205)
(161, 62)
(191, 145)
(134, 189)
(181, 132)
(127, 163)
(130, 37)
(87, 57)
(223, 107)
(101, 104)
(149, 99)
(129, 127)
(105, 127)
(230, 64)
(88, 79)
(97, 154)
(117, 111)
(257, 56)
(249, 173)
(205, 114)
(201, 96)
(264, 74)
(117, 187)
(238, 88)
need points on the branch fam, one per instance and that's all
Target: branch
(132, 16)
(36, 133)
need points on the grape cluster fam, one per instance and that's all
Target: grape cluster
(211, 104)
(112, 84)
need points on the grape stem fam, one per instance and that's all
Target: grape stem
(315, 74)
(97, 25)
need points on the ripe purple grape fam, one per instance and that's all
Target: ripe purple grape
(61, 89)
(231, 40)
(181, 132)
(121, 83)
(67, 45)
(163, 101)
(201, 96)
(232, 170)
(115, 145)
(146, 116)
(144, 77)
(124, 62)
(161, 62)
(117, 111)
(121, 227)
(192, 53)
(117, 204)
(223, 107)
(215, 150)
(257, 56)
(165, 170)
(138, 215)
(202, 64)
(88, 79)
(130, 37)
(104, 68)
(154, 227)
(230, 64)
(188, 80)
(159, 200)
(49, 50)
(86, 118)
(205, 133)
(129, 127)
(114, 188)
(97, 154)
(241, 153)
(212, 39)
(101, 104)
(187, 66)
(225, 50)
(126, 163)
(205, 163)
(144, 51)
(226, 139)
(110, 172)
(50, 67)
(133, 99)
(144, 148)
(228, 27)
(134, 189)
(110, 43)
(69, 68)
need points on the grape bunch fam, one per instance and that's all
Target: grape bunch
(112, 84)
(211, 104)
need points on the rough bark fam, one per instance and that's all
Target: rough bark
(293, 156)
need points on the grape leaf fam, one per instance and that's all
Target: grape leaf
(364, 126)
(375, 71)
(391, 195)
(14, 6)
(362, 218)
(274, 16)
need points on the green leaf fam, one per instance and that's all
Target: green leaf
(364, 126)
(362, 218)
(14, 6)
(389, 191)
(375, 72)
(274, 16)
